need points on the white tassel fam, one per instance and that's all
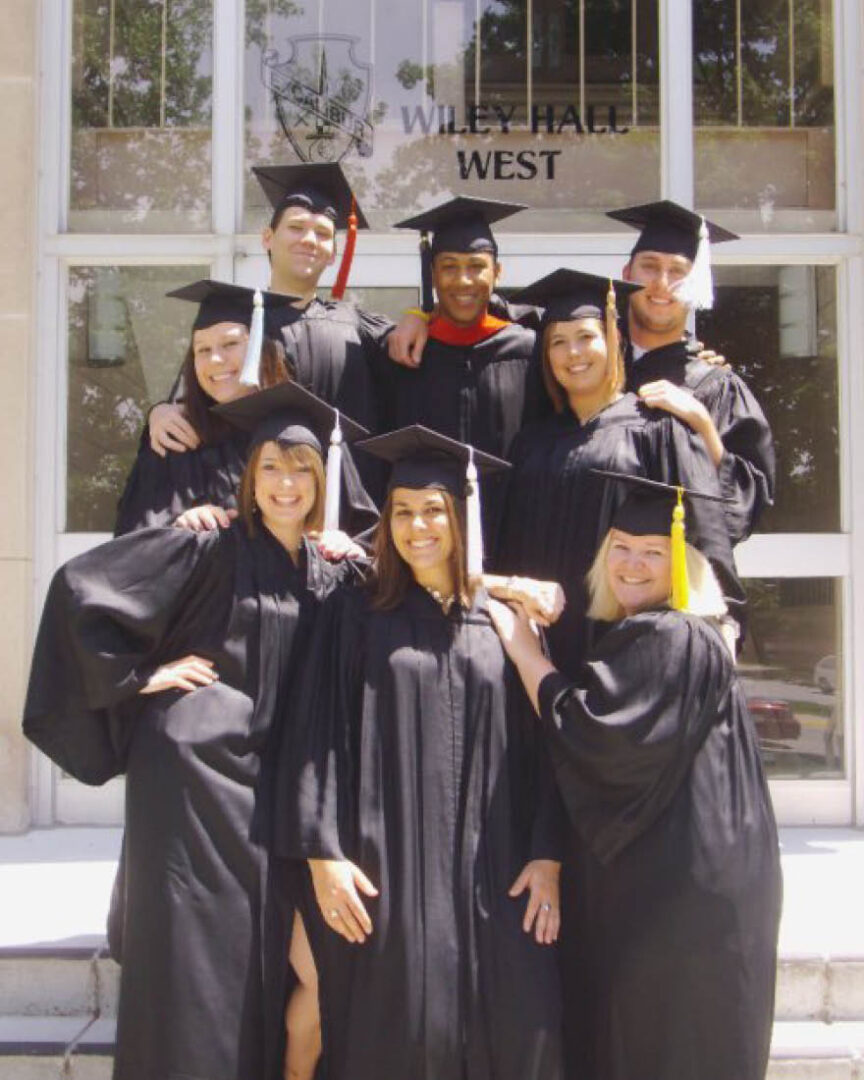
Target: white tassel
(251, 373)
(473, 521)
(334, 477)
(697, 289)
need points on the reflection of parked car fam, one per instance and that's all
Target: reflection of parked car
(775, 722)
(825, 674)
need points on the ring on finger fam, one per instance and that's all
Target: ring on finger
(333, 913)
(546, 906)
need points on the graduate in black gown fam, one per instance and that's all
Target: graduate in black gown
(222, 365)
(167, 655)
(333, 345)
(558, 510)
(425, 807)
(671, 260)
(478, 380)
(161, 487)
(678, 889)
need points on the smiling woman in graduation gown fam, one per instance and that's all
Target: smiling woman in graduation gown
(671, 967)
(558, 509)
(201, 991)
(418, 764)
(160, 488)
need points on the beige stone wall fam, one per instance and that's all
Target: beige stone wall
(18, 103)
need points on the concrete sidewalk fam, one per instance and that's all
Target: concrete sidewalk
(55, 885)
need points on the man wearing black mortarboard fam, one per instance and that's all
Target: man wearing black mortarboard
(671, 260)
(478, 381)
(330, 344)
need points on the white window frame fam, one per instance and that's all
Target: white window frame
(388, 260)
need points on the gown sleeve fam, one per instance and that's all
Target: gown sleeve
(315, 817)
(677, 455)
(623, 738)
(146, 501)
(747, 468)
(374, 329)
(105, 617)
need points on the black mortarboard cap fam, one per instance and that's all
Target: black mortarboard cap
(463, 225)
(669, 227)
(423, 458)
(323, 189)
(221, 301)
(288, 414)
(572, 294)
(646, 509)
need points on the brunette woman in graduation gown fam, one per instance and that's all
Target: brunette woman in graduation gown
(674, 931)
(166, 655)
(161, 488)
(426, 809)
(557, 510)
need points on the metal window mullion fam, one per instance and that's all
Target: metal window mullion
(478, 50)
(529, 59)
(850, 343)
(227, 116)
(739, 67)
(634, 63)
(112, 26)
(848, 119)
(791, 23)
(582, 113)
(676, 101)
(163, 66)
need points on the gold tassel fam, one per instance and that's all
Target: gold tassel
(613, 344)
(680, 586)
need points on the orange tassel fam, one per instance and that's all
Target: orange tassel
(348, 255)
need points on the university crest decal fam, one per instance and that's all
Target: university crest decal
(322, 96)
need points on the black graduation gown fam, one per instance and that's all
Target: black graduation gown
(335, 350)
(747, 468)
(678, 887)
(159, 489)
(204, 947)
(482, 394)
(557, 513)
(420, 764)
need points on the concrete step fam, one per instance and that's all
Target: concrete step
(70, 981)
(51, 1048)
(810, 1050)
(77, 981)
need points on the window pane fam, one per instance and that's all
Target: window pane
(764, 112)
(777, 326)
(415, 110)
(141, 107)
(792, 667)
(126, 344)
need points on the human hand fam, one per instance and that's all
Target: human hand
(170, 430)
(711, 357)
(542, 601)
(677, 400)
(336, 882)
(206, 518)
(540, 878)
(336, 545)
(517, 635)
(405, 344)
(186, 674)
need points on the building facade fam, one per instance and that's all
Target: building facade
(131, 127)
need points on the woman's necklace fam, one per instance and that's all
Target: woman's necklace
(445, 602)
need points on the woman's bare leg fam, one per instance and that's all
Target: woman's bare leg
(302, 1018)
